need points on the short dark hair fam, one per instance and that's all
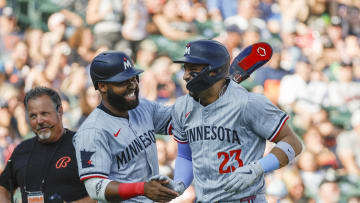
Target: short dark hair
(40, 91)
(346, 64)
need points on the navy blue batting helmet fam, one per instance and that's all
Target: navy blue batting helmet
(209, 52)
(112, 66)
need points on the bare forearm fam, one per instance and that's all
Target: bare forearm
(168, 31)
(52, 69)
(347, 159)
(288, 136)
(112, 192)
(4, 195)
(105, 189)
(74, 19)
(92, 14)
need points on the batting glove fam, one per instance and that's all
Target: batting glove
(159, 178)
(243, 177)
(177, 186)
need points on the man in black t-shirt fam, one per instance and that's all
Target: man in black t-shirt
(44, 167)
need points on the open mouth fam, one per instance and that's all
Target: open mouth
(131, 96)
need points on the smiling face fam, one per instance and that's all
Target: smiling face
(45, 119)
(123, 96)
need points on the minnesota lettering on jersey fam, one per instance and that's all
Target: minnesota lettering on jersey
(212, 133)
(137, 145)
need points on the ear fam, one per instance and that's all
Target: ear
(102, 87)
(61, 110)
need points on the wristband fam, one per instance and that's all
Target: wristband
(129, 190)
(269, 163)
(287, 149)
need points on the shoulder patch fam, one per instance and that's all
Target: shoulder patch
(86, 159)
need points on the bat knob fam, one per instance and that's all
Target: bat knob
(239, 77)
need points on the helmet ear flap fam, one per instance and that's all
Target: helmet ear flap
(194, 74)
(216, 71)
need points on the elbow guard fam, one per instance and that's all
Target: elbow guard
(96, 188)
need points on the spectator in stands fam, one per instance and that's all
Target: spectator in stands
(298, 94)
(17, 66)
(329, 192)
(9, 32)
(56, 34)
(348, 147)
(220, 10)
(295, 186)
(172, 26)
(106, 17)
(81, 44)
(315, 144)
(344, 93)
(33, 38)
(146, 54)
(269, 77)
(136, 18)
(58, 67)
(88, 101)
(231, 37)
(310, 172)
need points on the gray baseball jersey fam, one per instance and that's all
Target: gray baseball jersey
(225, 135)
(121, 149)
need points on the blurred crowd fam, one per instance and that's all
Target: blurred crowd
(314, 74)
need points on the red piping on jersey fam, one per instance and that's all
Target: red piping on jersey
(249, 199)
(278, 132)
(170, 129)
(89, 177)
(181, 142)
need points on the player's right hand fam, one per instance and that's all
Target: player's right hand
(156, 191)
(243, 177)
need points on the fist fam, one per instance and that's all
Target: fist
(243, 177)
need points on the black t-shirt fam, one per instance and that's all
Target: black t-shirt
(55, 163)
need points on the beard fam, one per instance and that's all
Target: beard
(194, 95)
(44, 134)
(119, 101)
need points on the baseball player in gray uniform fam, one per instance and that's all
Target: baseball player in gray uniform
(221, 130)
(115, 146)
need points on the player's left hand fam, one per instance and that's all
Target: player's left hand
(243, 177)
(178, 187)
(159, 178)
(164, 180)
